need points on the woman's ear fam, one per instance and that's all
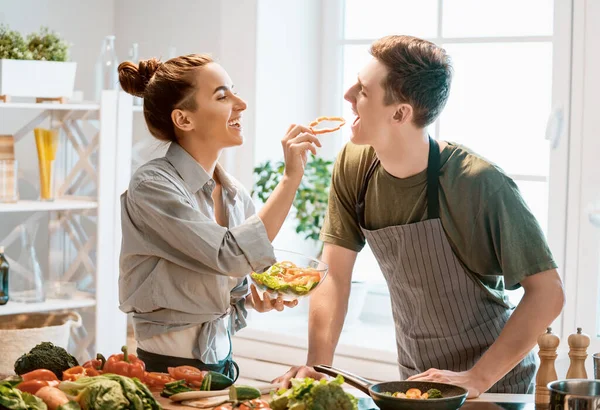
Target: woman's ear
(403, 114)
(182, 120)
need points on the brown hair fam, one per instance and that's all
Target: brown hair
(419, 74)
(164, 87)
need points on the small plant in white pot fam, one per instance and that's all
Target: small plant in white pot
(35, 67)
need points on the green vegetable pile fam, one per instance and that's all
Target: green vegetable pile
(110, 391)
(308, 394)
(46, 356)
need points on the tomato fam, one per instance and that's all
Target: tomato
(158, 380)
(226, 406)
(39, 374)
(188, 373)
(32, 386)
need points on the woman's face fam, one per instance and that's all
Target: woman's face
(217, 119)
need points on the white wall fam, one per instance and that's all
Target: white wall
(226, 29)
(83, 23)
(288, 70)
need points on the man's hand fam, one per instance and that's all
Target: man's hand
(298, 372)
(267, 304)
(467, 379)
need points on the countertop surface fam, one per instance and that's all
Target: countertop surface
(484, 402)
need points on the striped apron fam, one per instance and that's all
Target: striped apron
(444, 318)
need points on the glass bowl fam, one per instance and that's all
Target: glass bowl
(293, 276)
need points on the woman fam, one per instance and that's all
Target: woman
(190, 232)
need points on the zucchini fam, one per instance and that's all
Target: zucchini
(242, 393)
(218, 381)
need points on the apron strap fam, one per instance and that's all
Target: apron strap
(433, 182)
(433, 170)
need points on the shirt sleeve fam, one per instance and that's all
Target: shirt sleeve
(514, 234)
(176, 231)
(341, 225)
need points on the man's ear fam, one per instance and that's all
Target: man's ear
(182, 120)
(403, 114)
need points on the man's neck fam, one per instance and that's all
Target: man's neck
(405, 155)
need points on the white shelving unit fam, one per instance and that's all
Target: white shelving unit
(49, 305)
(63, 204)
(84, 219)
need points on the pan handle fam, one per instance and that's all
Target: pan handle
(360, 383)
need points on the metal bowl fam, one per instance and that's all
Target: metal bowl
(301, 261)
(574, 394)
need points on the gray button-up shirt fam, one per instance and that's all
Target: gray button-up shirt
(178, 267)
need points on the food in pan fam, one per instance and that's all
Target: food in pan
(417, 394)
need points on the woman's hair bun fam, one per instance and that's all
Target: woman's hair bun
(135, 78)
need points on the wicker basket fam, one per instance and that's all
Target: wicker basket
(20, 333)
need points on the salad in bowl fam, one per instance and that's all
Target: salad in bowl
(293, 276)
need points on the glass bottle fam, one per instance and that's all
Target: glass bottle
(3, 277)
(107, 77)
(26, 284)
(134, 57)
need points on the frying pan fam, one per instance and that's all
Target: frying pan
(453, 396)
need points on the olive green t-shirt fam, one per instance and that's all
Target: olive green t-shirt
(489, 226)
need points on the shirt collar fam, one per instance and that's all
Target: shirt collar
(194, 175)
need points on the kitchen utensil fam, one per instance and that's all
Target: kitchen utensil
(574, 394)
(195, 395)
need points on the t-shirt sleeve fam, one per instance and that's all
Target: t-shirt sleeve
(341, 223)
(517, 240)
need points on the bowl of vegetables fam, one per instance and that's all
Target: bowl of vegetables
(293, 276)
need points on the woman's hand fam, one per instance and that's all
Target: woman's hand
(267, 304)
(296, 144)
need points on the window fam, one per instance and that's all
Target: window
(502, 87)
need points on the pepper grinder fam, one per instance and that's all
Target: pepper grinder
(548, 343)
(578, 344)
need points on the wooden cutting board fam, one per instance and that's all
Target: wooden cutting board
(169, 405)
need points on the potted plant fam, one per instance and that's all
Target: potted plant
(310, 203)
(35, 67)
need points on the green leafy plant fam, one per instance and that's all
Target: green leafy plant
(44, 45)
(48, 46)
(312, 196)
(13, 45)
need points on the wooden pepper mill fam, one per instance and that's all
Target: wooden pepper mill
(548, 343)
(578, 344)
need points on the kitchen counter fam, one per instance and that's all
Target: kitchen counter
(484, 402)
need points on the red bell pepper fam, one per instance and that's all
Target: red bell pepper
(125, 364)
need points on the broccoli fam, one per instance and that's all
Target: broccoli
(46, 356)
(329, 397)
(308, 394)
(434, 394)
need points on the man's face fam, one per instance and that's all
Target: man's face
(375, 119)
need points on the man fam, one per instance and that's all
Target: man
(450, 232)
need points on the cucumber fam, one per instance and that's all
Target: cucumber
(242, 393)
(218, 381)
